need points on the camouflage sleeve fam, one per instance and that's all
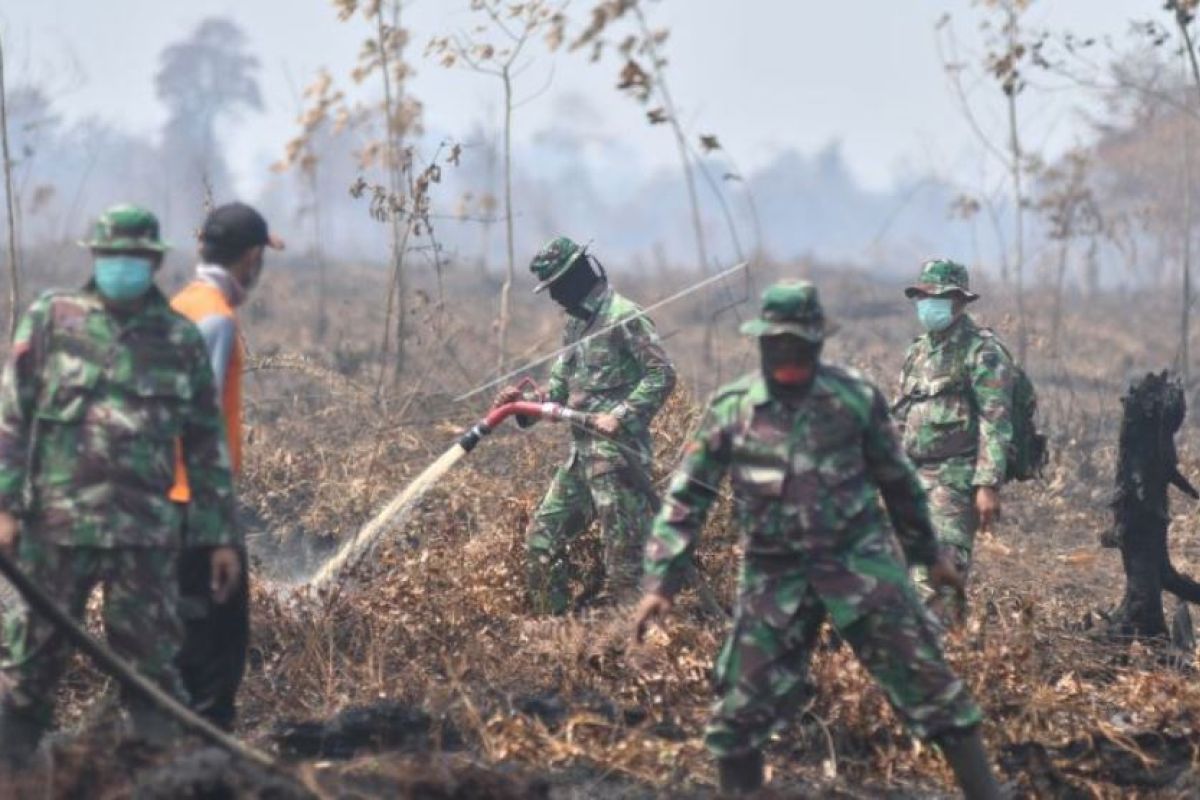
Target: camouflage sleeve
(991, 390)
(658, 373)
(556, 388)
(212, 519)
(693, 488)
(899, 409)
(905, 498)
(18, 395)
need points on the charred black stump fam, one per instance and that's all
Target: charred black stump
(364, 729)
(1147, 464)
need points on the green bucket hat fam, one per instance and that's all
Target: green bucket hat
(126, 227)
(552, 261)
(942, 276)
(791, 307)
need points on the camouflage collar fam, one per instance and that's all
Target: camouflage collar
(760, 395)
(600, 294)
(962, 327)
(154, 301)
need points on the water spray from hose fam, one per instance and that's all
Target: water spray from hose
(354, 550)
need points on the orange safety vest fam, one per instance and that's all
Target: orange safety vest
(196, 301)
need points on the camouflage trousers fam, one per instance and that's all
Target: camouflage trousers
(761, 673)
(955, 520)
(583, 492)
(141, 622)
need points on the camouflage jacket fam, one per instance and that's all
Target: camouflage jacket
(613, 362)
(92, 405)
(956, 400)
(806, 481)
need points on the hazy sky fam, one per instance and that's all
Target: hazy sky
(762, 74)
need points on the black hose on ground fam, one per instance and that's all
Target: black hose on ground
(115, 666)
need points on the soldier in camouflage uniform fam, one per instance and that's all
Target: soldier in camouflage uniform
(955, 414)
(811, 449)
(98, 387)
(617, 372)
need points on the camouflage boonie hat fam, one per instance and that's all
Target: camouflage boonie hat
(942, 276)
(126, 227)
(791, 307)
(552, 261)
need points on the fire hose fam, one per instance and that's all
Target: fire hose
(353, 551)
(520, 408)
(41, 603)
(560, 413)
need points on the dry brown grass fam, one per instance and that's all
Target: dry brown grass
(436, 619)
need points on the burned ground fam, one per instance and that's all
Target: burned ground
(421, 675)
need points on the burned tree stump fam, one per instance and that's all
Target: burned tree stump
(1147, 464)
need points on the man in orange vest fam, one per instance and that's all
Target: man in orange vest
(213, 658)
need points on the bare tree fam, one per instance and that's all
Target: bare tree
(643, 76)
(1151, 143)
(204, 79)
(1007, 68)
(1185, 12)
(1009, 54)
(325, 114)
(382, 55)
(496, 49)
(1069, 206)
(9, 200)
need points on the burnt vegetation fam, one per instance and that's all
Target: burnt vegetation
(421, 673)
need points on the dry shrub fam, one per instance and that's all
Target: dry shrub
(437, 620)
(436, 617)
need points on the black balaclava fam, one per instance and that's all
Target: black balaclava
(574, 286)
(789, 364)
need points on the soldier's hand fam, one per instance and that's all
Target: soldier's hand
(651, 606)
(10, 529)
(987, 504)
(944, 574)
(509, 394)
(605, 424)
(505, 396)
(226, 572)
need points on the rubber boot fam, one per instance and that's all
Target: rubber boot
(741, 775)
(153, 726)
(968, 758)
(20, 732)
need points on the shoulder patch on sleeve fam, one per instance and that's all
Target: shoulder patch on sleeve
(740, 386)
(853, 387)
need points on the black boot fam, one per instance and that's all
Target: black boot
(20, 732)
(741, 774)
(154, 726)
(964, 750)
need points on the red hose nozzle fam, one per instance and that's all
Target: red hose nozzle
(524, 408)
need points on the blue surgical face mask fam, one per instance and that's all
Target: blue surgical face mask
(123, 277)
(935, 313)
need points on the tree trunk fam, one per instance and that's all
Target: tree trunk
(685, 162)
(393, 134)
(509, 268)
(1181, 19)
(1060, 281)
(1147, 464)
(1185, 310)
(1018, 199)
(14, 288)
(318, 253)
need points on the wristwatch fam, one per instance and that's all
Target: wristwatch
(621, 411)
